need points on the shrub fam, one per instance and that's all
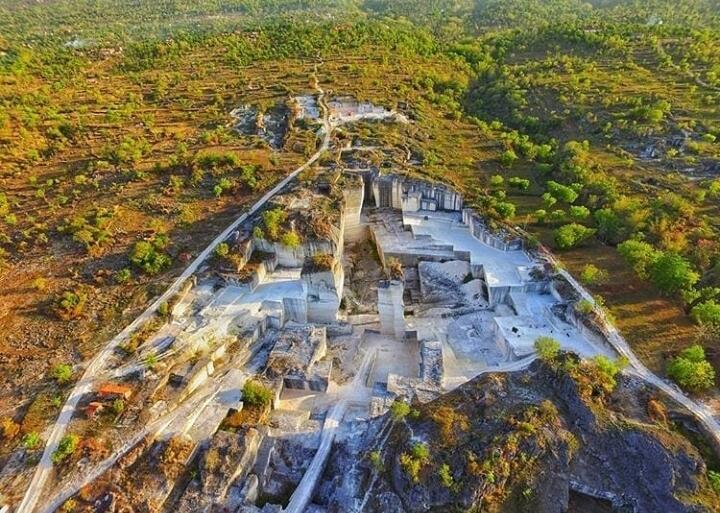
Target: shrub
(508, 158)
(9, 428)
(151, 360)
(519, 183)
(322, 261)
(118, 406)
(68, 506)
(571, 235)
(31, 440)
(421, 451)
(122, 276)
(148, 256)
(584, 306)
(69, 305)
(548, 200)
(4, 204)
(557, 216)
(210, 159)
(504, 209)
(399, 410)
(707, 314)
(450, 422)
(62, 373)
(376, 460)
(561, 192)
(411, 466)
(547, 348)
(413, 462)
(714, 479)
(540, 215)
(39, 283)
(446, 477)
(163, 309)
(496, 180)
(223, 185)
(67, 446)
(691, 370)
(273, 220)
(291, 239)
(592, 275)
(256, 394)
(579, 212)
(222, 250)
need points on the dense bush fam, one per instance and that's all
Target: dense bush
(572, 235)
(691, 370)
(149, 257)
(67, 446)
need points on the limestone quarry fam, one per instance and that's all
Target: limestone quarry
(354, 339)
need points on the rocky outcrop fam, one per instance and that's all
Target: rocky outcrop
(228, 458)
(529, 441)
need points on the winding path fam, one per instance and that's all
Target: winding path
(637, 368)
(84, 386)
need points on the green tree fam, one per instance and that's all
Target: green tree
(147, 256)
(640, 255)
(691, 370)
(496, 180)
(504, 209)
(672, 273)
(571, 235)
(579, 212)
(707, 313)
(522, 184)
(508, 158)
(561, 192)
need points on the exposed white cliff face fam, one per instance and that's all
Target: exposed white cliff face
(324, 292)
(354, 196)
(411, 195)
(391, 308)
(295, 257)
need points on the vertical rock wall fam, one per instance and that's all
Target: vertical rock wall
(354, 196)
(391, 308)
(324, 292)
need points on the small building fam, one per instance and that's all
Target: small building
(110, 391)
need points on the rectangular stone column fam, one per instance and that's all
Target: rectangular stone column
(391, 308)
